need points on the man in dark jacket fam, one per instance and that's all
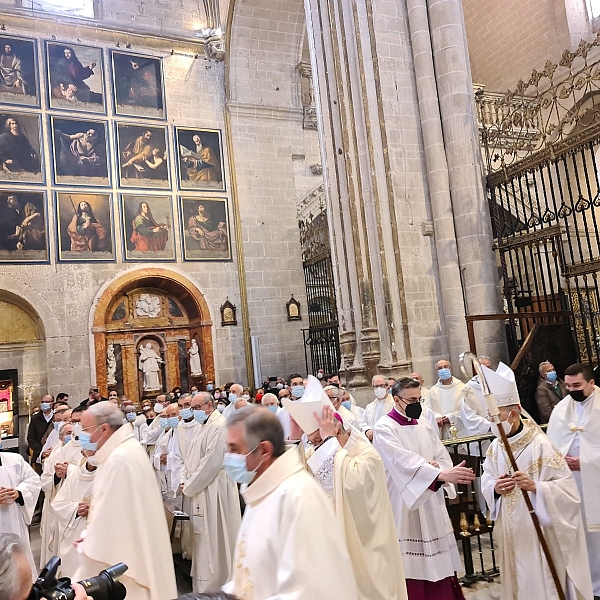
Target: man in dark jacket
(39, 425)
(550, 391)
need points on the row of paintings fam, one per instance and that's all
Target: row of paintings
(75, 78)
(81, 153)
(85, 227)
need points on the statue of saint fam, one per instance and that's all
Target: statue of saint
(111, 365)
(148, 363)
(195, 365)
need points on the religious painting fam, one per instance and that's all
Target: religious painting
(80, 152)
(148, 228)
(84, 227)
(23, 227)
(205, 229)
(138, 84)
(200, 159)
(20, 148)
(18, 74)
(75, 77)
(143, 156)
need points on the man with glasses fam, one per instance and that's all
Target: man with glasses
(382, 404)
(417, 467)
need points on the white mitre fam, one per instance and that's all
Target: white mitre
(313, 400)
(502, 384)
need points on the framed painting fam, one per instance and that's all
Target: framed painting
(143, 156)
(138, 85)
(20, 148)
(200, 159)
(19, 82)
(23, 227)
(147, 228)
(80, 151)
(75, 77)
(84, 227)
(205, 228)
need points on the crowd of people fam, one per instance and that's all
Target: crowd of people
(295, 491)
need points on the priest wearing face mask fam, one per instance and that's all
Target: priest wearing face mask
(444, 398)
(236, 391)
(418, 466)
(574, 428)
(544, 475)
(381, 406)
(213, 497)
(163, 463)
(550, 390)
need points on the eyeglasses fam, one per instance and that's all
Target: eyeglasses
(411, 400)
(380, 387)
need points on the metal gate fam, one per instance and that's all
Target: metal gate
(542, 149)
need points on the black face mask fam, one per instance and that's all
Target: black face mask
(149, 421)
(577, 395)
(413, 410)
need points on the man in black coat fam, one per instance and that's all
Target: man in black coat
(39, 425)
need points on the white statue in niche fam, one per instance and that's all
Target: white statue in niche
(111, 365)
(148, 364)
(195, 365)
(147, 306)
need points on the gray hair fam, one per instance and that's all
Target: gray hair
(206, 397)
(544, 362)
(337, 393)
(107, 412)
(375, 377)
(184, 396)
(270, 396)
(10, 544)
(260, 425)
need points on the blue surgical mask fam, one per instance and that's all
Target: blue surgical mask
(86, 443)
(45, 406)
(273, 408)
(236, 468)
(551, 376)
(297, 391)
(200, 416)
(130, 416)
(347, 404)
(173, 422)
(164, 422)
(67, 439)
(232, 398)
(58, 425)
(210, 387)
(444, 374)
(186, 413)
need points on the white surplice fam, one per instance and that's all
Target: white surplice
(525, 572)
(164, 472)
(289, 546)
(377, 409)
(284, 418)
(444, 401)
(215, 506)
(77, 488)
(49, 542)
(15, 473)
(427, 543)
(125, 480)
(354, 476)
(574, 428)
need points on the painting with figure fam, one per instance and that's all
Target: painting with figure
(138, 85)
(147, 223)
(23, 227)
(205, 229)
(200, 158)
(80, 152)
(84, 227)
(143, 156)
(18, 75)
(75, 77)
(20, 148)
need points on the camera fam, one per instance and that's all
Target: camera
(105, 586)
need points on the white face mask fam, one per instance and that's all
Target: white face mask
(220, 407)
(505, 425)
(380, 393)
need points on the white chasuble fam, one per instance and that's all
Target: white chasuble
(125, 480)
(524, 570)
(444, 401)
(427, 543)
(215, 506)
(15, 473)
(289, 546)
(377, 409)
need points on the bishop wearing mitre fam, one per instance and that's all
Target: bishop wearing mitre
(351, 473)
(543, 474)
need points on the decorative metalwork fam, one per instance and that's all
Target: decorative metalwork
(308, 97)
(29, 387)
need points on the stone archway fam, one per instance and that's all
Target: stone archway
(154, 306)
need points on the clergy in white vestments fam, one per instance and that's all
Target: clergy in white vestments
(124, 479)
(289, 546)
(215, 506)
(71, 506)
(335, 395)
(543, 474)
(379, 407)
(167, 476)
(19, 490)
(444, 398)
(418, 467)
(418, 377)
(61, 415)
(574, 429)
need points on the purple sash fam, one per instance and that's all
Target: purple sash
(401, 419)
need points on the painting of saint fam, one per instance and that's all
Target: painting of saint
(23, 230)
(75, 77)
(147, 226)
(200, 159)
(143, 156)
(84, 227)
(20, 148)
(138, 85)
(80, 152)
(18, 79)
(205, 227)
